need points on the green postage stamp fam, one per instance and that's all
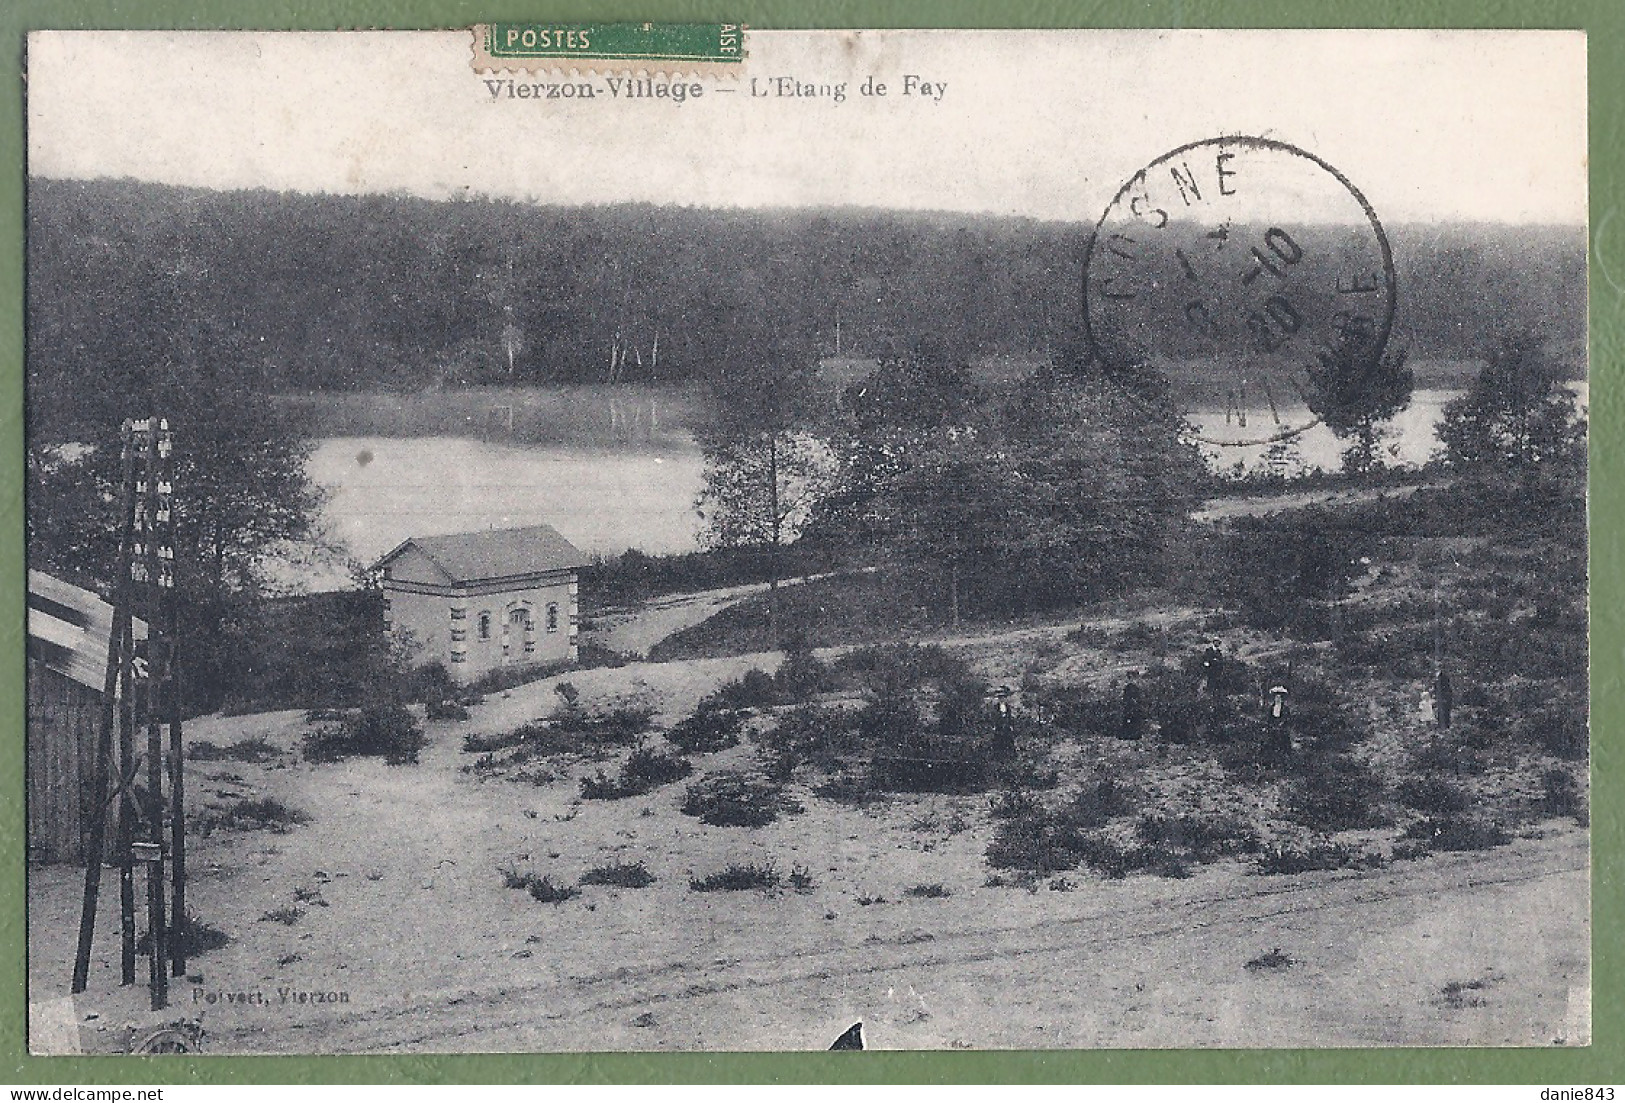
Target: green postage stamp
(684, 46)
(607, 537)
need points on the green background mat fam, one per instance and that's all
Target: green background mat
(1603, 1062)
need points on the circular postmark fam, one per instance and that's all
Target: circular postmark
(1252, 274)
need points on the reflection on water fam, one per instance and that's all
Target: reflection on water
(1409, 439)
(382, 490)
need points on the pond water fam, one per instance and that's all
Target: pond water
(1409, 439)
(383, 489)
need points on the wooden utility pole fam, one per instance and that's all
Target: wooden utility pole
(141, 691)
(118, 643)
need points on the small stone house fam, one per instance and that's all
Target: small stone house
(478, 601)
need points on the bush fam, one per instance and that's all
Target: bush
(753, 689)
(190, 938)
(387, 731)
(645, 771)
(802, 676)
(934, 891)
(260, 814)
(1561, 795)
(256, 749)
(710, 728)
(446, 710)
(1335, 793)
(1456, 833)
(1096, 804)
(1561, 729)
(810, 735)
(738, 878)
(1202, 839)
(633, 875)
(1316, 856)
(546, 891)
(1433, 795)
(733, 799)
(542, 889)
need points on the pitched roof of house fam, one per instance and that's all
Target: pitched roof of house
(68, 629)
(495, 553)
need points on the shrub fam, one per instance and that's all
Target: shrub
(547, 891)
(1036, 843)
(1316, 856)
(1433, 795)
(1335, 793)
(591, 654)
(1096, 804)
(710, 728)
(645, 771)
(633, 875)
(753, 689)
(1561, 795)
(733, 799)
(801, 878)
(802, 676)
(813, 735)
(1561, 729)
(446, 710)
(934, 891)
(256, 749)
(848, 787)
(1203, 839)
(1455, 833)
(738, 878)
(259, 814)
(388, 731)
(287, 916)
(189, 938)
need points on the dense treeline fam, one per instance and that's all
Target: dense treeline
(321, 292)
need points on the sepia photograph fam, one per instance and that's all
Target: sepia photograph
(579, 538)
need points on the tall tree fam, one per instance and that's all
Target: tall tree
(765, 470)
(1354, 389)
(1517, 414)
(241, 487)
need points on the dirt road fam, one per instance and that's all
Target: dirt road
(1260, 505)
(635, 631)
(431, 953)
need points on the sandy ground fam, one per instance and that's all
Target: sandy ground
(423, 948)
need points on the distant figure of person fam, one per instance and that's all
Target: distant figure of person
(1212, 658)
(1447, 698)
(1425, 707)
(1004, 728)
(1133, 710)
(1277, 726)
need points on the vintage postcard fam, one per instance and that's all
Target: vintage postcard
(634, 537)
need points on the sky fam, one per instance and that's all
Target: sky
(1430, 126)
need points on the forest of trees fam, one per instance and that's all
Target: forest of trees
(352, 293)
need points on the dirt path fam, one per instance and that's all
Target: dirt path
(1219, 509)
(1457, 951)
(635, 631)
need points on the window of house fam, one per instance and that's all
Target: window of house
(552, 617)
(485, 625)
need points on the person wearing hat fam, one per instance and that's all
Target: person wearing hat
(1277, 729)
